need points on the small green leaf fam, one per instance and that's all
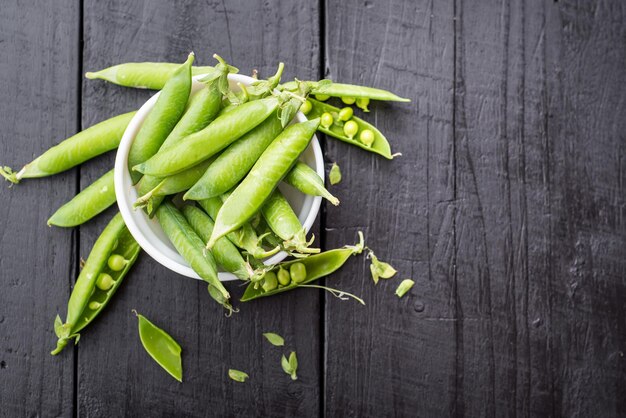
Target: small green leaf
(404, 287)
(285, 364)
(274, 339)
(237, 375)
(380, 269)
(293, 363)
(335, 174)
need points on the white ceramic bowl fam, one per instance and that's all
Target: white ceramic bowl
(148, 232)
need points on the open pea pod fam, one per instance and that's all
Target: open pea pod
(316, 265)
(347, 90)
(379, 146)
(111, 257)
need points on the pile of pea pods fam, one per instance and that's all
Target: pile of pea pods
(224, 152)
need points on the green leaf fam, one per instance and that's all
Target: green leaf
(274, 339)
(293, 364)
(237, 375)
(285, 364)
(380, 269)
(335, 174)
(404, 287)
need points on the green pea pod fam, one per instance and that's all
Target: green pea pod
(347, 90)
(167, 186)
(269, 170)
(163, 117)
(161, 346)
(190, 246)
(93, 141)
(236, 161)
(225, 252)
(281, 219)
(223, 131)
(305, 179)
(89, 296)
(379, 146)
(245, 237)
(143, 75)
(316, 266)
(91, 201)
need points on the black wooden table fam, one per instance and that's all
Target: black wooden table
(507, 208)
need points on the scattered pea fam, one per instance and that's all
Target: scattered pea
(322, 97)
(346, 113)
(94, 305)
(104, 282)
(350, 128)
(298, 272)
(362, 103)
(283, 277)
(326, 120)
(116, 262)
(366, 137)
(270, 282)
(348, 100)
(306, 107)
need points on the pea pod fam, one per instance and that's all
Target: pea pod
(191, 247)
(268, 171)
(315, 266)
(245, 237)
(281, 219)
(379, 146)
(97, 282)
(143, 75)
(163, 117)
(197, 147)
(305, 179)
(91, 201)
(225, 252)
(93, 141)
(236, 161)
(161, 347)
(347, 90)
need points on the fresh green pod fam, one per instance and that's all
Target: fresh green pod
(348, 90)
(315, 267)
(93, 141)
(283, 221)
(197, 147)
(269, 170)
(379, 146)
(91, 201)
(225, 252)
(190, 246)
(245, 237)
(235, 162)
(305, 179)
(161, 347)
(163, 117)
(114, 239)
(143, 75)
(167, 186)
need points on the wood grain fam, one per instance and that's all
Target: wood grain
(38, 44)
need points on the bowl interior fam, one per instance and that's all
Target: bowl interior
(148, 232)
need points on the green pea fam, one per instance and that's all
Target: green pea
(270, 281)
(326, 120)
(116, 262)
(298, 272)
(348, 100)
(306, 107)
(104, 282)
(94, 305)
(322, 97)
(283, 277)
(367, 137)
(362, 103)
(346, 113)
(350, 128)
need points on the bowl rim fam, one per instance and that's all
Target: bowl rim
(122, 178)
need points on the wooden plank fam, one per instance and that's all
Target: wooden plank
(394, 356)
(116, 377)
(540, 246)
(38, 79)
